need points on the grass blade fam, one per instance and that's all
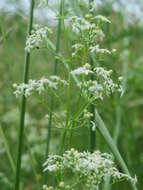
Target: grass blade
(106, 135)
(23, 105)
(55, 73)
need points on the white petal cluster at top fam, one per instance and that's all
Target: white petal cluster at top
(37, 38)
(89, 33)
(38, 85)
(91, 168)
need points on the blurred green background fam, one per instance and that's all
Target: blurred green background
(123, 117)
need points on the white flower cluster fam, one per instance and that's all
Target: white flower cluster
(85, 28)
(38, 86)
(85, 70)
(37, 38)
(89, 34)
(91, 168)
(78, 48)
(102, 85)
(97, 49)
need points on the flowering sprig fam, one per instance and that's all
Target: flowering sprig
(39, 86)
(89, 33)
(85, 70)
(91, 168)
(38, 37)
(102, 84)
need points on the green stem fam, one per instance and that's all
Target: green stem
(55, 72)
(23, 105)
(67, 113)
(92, 133)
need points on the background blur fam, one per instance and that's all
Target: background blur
(124, 117)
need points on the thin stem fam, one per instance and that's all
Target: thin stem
(55, 72)
(23, 104)
(92, 133)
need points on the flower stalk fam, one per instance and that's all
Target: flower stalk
(55, 73)
(23, 104)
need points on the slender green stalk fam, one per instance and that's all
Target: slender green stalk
(67, 114)
(106, 135)
(7, 150)
(23, 104)
(92, 133)
(55, 72)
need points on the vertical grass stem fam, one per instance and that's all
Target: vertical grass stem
(23, 104)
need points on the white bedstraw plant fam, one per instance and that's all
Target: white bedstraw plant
(90, 169)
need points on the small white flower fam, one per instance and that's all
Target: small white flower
(85, 70)
(37, 37)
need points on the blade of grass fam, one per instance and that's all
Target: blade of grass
(115, 138)
(7, 150)
(23, 104)
(106, 135)
(118, 112)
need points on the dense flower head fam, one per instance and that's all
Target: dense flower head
(37, 38)
(92, 168)
(89, 33)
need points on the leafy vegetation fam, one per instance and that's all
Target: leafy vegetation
(81, 109)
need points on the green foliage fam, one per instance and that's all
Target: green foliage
(124, 125)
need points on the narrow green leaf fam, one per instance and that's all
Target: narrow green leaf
(106, 135)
